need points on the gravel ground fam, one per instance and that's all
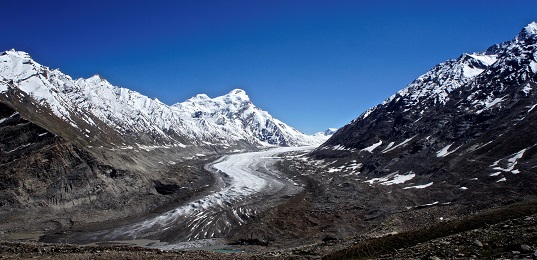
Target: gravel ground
(476, 237)
(513, 239)
(36, 250)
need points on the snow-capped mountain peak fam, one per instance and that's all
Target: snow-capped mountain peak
(239, 93)
(234, 114)
(328, 132)
(436, 84)
(324, 135)
(530, 31)
(232, 101)
(16, 64)
(236, 96)
(15, 53)
(97, 77)
(198, 97)
(94, 105)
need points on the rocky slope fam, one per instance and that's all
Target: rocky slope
(463, 131)
(49, 183)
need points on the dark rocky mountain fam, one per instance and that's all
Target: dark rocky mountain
(463, 131)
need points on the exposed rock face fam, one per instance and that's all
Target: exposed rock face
(41, 170)
(36, 163)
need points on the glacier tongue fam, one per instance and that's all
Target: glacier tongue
(228, 120)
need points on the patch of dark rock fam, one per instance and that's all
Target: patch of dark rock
(250, 242)
(165, 189)
(329, 239)
(110, 171)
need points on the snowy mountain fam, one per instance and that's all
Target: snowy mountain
(103, 114)
(68, 147)
(233, 115)
(465, 127)
(328, 132)
(324, 135)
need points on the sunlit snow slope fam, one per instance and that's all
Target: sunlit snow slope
(103, 114)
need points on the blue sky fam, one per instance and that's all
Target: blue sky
(312, 64)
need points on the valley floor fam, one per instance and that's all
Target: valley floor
(246, 183)
(515, 238)
(310, 213)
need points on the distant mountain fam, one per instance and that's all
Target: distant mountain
(95, 112)
(465, 127)
(233, 117)
(324, 135)
(328, 132)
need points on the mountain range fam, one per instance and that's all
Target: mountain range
(457, 140)
(68, 145)
(103, 114)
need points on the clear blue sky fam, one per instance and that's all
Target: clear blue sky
(312, 64)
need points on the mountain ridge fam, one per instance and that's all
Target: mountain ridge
(465, 127)
(436, 85)
(95, 106)
(69, 147)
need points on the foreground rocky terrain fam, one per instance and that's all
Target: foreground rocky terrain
(502, 233)
(17, 250)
